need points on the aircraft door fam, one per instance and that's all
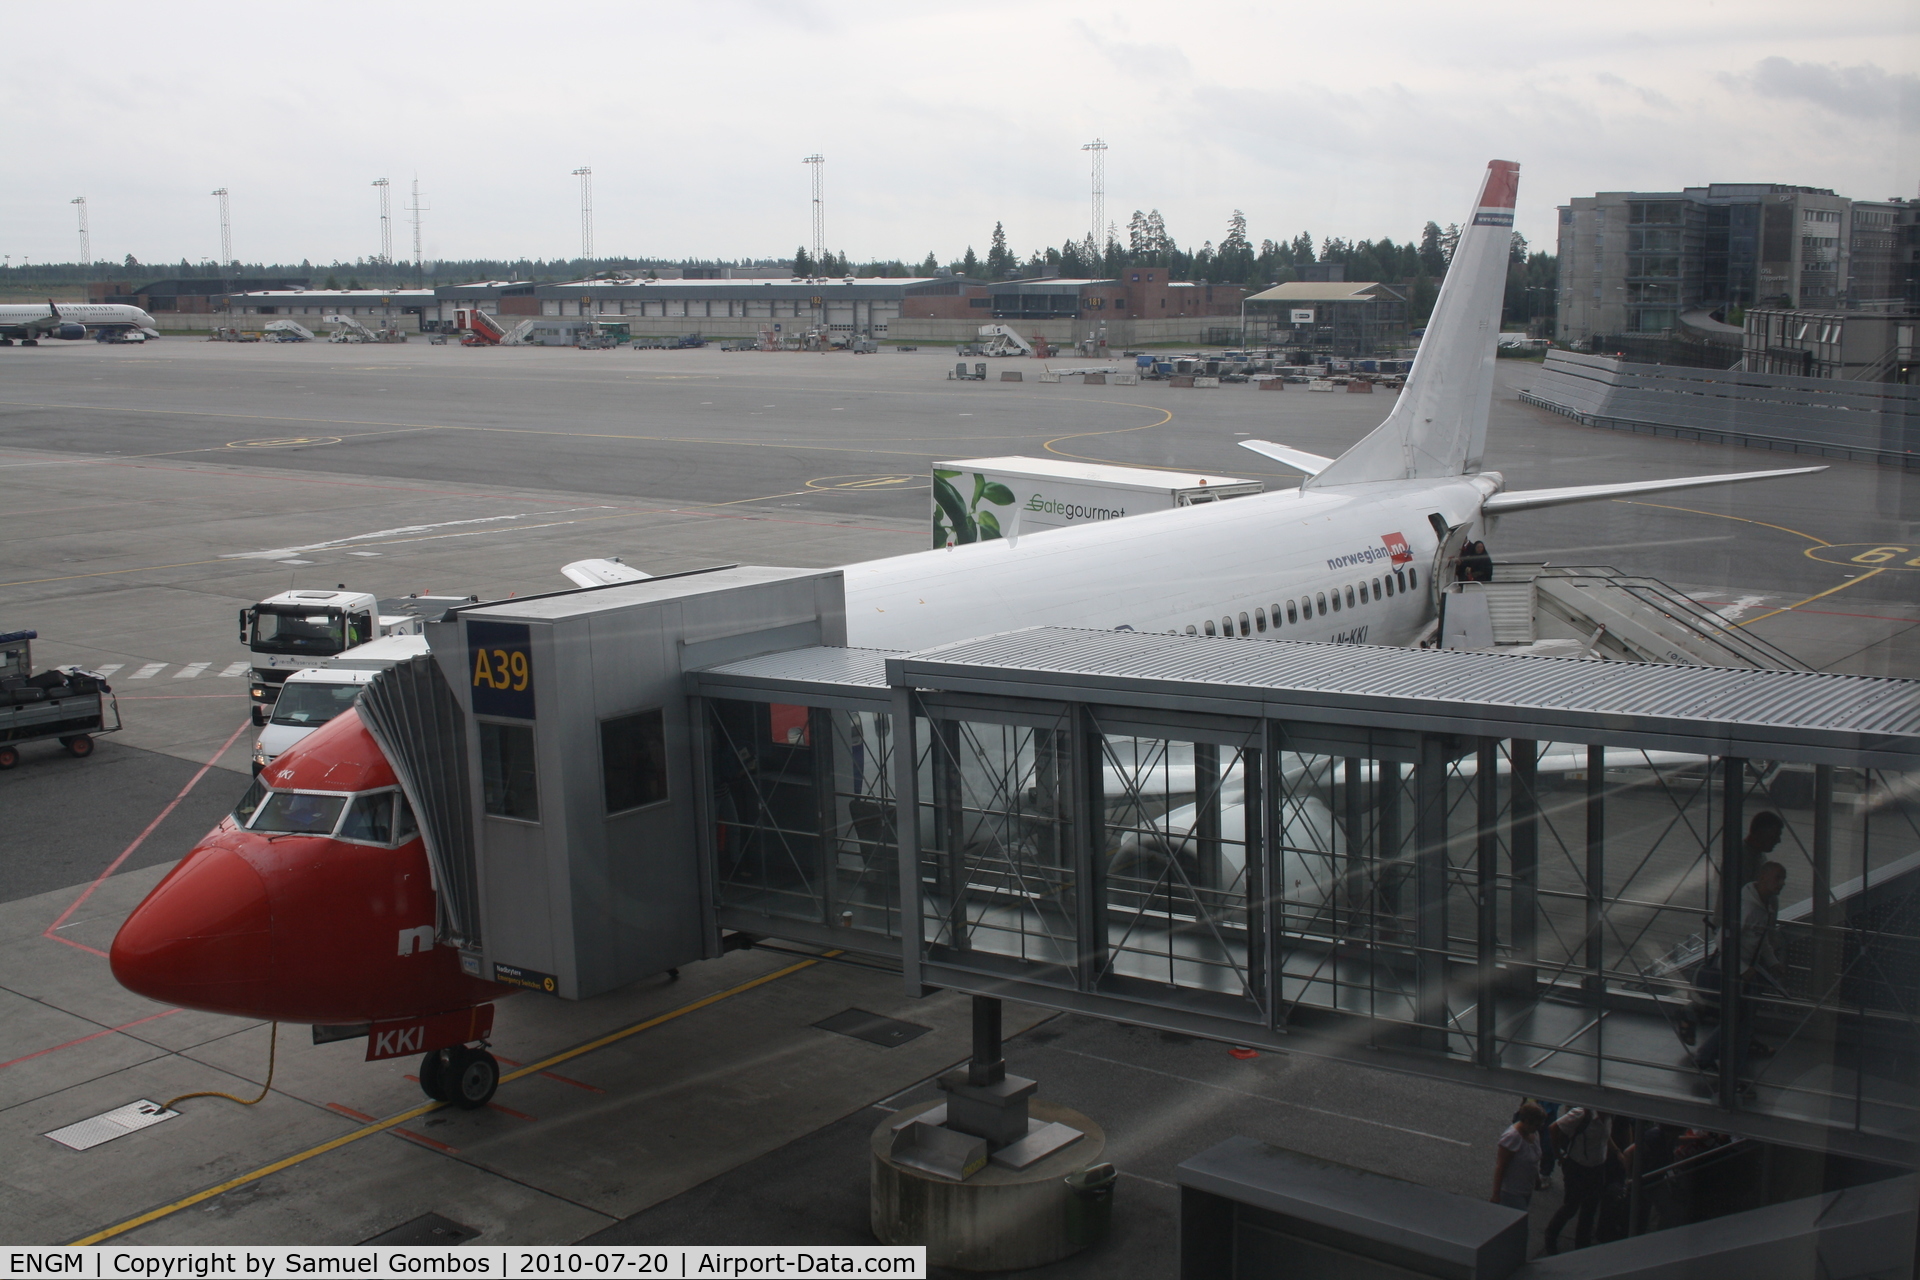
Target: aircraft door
(1446, 560)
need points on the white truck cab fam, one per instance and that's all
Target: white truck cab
(299, 629)
(311, 696)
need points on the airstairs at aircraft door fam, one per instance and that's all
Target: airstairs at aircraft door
(1594, 611)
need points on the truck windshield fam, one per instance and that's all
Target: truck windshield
(293, 630)
(308, 704)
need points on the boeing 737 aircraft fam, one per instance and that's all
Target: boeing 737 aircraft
(30, 322)
(288, 909)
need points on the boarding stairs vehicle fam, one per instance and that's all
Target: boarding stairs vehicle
(347, 329)
(1568, 611)
(289, 331)
(1001, 340)
(69, 705)
(477, 328)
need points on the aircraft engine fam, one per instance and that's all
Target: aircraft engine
(71, 332)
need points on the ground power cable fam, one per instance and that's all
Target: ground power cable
(273, 1053)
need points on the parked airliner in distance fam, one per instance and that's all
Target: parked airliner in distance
(27, 323)
(288, 910)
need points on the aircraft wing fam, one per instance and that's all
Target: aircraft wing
(1527, 499)
(1298, 459)
(600, 573)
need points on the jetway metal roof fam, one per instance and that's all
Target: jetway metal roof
(1867, 721)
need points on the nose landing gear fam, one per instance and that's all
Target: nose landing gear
(464, 1076)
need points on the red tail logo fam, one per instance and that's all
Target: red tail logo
(1397, 547)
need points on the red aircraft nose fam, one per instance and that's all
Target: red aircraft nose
(201, 939)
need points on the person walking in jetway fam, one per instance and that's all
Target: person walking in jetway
(1759, 968)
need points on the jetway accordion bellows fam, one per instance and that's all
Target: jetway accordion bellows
(414, 716)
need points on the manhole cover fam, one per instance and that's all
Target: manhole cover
(871, 1027)
(428, 1228)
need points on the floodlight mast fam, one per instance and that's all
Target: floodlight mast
(1099, 150)
(416, 208)
(226, 231)
(585, 174)
(386, 222)
(818, 163)
(86, 236)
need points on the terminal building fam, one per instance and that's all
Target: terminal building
(1337, 318)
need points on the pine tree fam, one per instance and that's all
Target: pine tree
(802, 262)
(970, 265)
(1449, 241)
(1138, 245)
(999, 260)
(1433, 254)
(931, 267)
(1160, 245)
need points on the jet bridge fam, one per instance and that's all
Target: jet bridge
(1510, 872)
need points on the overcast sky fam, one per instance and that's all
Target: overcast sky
(936, 119)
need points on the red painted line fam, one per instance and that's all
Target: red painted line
(554, 1075)
(425, 1141)
(350, 1113)
(138, 840)
(28, 1057)
(509, 1111)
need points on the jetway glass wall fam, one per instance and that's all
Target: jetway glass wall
(1550, 913)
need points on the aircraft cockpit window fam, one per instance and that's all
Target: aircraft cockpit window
(295, 813)
(370, 819)
(243, 811)
(404, 827)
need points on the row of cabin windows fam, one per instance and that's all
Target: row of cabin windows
(1307, 607)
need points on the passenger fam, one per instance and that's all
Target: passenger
(1516, 1160)
(1475, 564)
(1584, 1147)
(1655, 1149)
(1759, 968)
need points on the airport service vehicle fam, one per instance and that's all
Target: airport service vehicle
(269, 917)
(1002, 340)
(288, 331)
(297, 629)
(27, 323)
(312, 696)
(975, 499)
(72, 706)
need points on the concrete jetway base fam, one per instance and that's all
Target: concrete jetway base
(998, 1218)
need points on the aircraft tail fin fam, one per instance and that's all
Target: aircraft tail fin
(1438, 427)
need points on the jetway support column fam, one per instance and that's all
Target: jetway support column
(1523, 853)
(1087, 841)
(1486, 869)
(1733, 849)
(1596, 870)
(1430, 874)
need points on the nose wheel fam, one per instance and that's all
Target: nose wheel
(463, 1076)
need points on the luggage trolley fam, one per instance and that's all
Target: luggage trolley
(72, 706)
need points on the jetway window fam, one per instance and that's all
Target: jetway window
(510, 783)
(633, 760)
(803, 816)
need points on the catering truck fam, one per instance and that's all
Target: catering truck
(298, 629)
(975, 499)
